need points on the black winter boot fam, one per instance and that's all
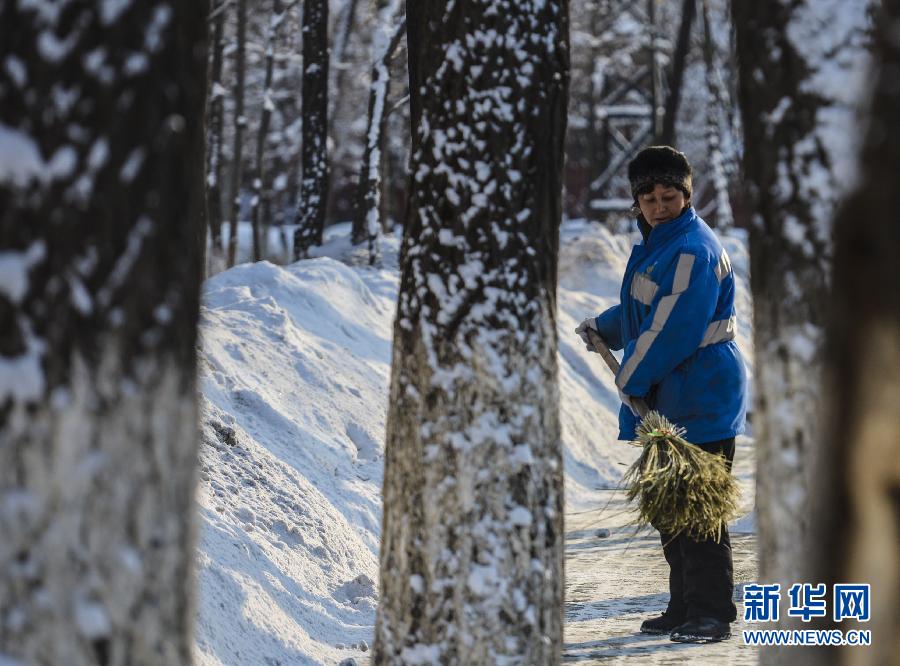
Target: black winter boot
(662, 624)
(701, 630)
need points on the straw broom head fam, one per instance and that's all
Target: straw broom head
(679, 487)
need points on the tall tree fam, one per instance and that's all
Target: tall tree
(314, 186)
(337, 71)
(368, 193)
(472, 538)
(676, 72)
(716, 96)
(857, 509)
(395, 159)
(343, 77)
(240, 122)
(215, 135)
(798, 64)
(261, 185)
(101, 221)
(656, 73)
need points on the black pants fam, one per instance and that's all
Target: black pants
(701, 573)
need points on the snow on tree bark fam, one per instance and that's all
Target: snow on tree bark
(314, 184)
(101, 200)
(240, 122)
(368, 194)
(799, 66)
(472, 539)
(724, 217)
(857, 530)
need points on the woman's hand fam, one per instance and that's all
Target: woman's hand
(582, 331)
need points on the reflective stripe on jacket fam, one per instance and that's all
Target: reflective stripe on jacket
(676, 323)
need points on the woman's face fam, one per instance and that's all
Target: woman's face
(664, 203)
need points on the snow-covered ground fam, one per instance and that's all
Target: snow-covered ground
(295, 368)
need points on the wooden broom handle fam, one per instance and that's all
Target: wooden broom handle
(599, 344)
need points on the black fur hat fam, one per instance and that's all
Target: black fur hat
(659, 165)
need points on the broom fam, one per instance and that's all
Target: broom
(679, 487)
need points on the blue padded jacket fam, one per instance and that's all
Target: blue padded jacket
(676, 323)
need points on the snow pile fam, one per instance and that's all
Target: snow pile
(295, 365)
(295, 369)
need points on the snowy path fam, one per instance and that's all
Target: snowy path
(295, 372)
(614, 583)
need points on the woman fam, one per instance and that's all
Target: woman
(676, 323)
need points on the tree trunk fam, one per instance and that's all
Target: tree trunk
(240, 122)
(656, 94)
(394, 162)
(368, 193)
(216, 115)
(596, 158)
(261, 184)
(676, 74)
(100, 217)
(724, 218)
(339, 68)
(472, 538)
(290, 197)
(417, 28)
(795, 114)
(337, 74)
(314, 186)
(857, 485)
